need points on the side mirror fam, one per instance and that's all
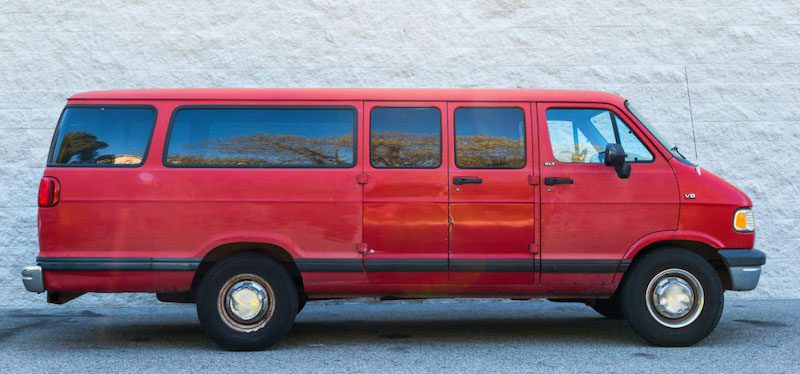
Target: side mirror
(614, 156)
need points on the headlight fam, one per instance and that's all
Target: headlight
(743, 220)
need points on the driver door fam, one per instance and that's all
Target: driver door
(589, 215)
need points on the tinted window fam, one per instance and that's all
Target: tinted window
(405, 138)
(490, 138)
(581, 135)
(255, 137)
(96, 136)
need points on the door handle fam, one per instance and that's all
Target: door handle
(467, 180)
(556, 180)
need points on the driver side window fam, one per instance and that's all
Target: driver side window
(581, 135)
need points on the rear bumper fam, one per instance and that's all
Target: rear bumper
(33, 279)
(744, 267)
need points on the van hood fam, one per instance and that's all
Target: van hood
(700, 186)
(707, 206)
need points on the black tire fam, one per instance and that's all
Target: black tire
(218, 322)
(678, 265)
(609, 308)
(301, 302)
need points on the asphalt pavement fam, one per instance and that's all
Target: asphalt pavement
(754, 336)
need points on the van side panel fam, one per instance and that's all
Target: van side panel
(166, 219)
(312, 213)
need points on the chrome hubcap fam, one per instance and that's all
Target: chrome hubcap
(245, 302)
(675, 298)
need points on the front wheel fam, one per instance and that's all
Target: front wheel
(246, 302)
(672, 297)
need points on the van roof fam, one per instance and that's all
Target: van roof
(324, 94)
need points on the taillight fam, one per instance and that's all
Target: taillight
(49, 192)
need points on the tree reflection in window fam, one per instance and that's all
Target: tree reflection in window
(490, 138)
(102, 136)
(79, 147)
(405, 138)
(270, 150)
(253, 137)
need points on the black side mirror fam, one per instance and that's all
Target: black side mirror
(614, 156)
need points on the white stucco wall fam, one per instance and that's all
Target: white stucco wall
(720, 78)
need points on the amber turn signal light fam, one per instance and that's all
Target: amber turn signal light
(743, 220)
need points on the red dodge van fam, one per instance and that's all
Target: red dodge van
(250, 202)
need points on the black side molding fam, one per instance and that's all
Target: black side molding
(742, 257)
(492, 265)
(118, 263)
(405, 265)
(584, 266)
(329, 265)
(350, 265)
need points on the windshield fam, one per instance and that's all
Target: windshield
(661, 139)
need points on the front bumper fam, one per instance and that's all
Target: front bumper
(744, 266)
(33, 279)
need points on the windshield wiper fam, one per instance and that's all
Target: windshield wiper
(675, 148)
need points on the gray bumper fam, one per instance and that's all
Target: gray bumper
(33, 279)
(744, 266)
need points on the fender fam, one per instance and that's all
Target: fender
(249, 237)
(181, 281)
(660, 236)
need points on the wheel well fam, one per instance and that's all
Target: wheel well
(706, 251)
(224, 251)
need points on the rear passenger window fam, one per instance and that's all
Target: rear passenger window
(405, 138)
(490, 138)
(263, 137)
(581, 135)
(102, 136)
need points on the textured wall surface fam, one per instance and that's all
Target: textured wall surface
(720, 78)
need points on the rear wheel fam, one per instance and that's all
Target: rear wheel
(609, 308)
(672, 297)
(246, 302)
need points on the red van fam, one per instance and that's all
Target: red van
(250, 202)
